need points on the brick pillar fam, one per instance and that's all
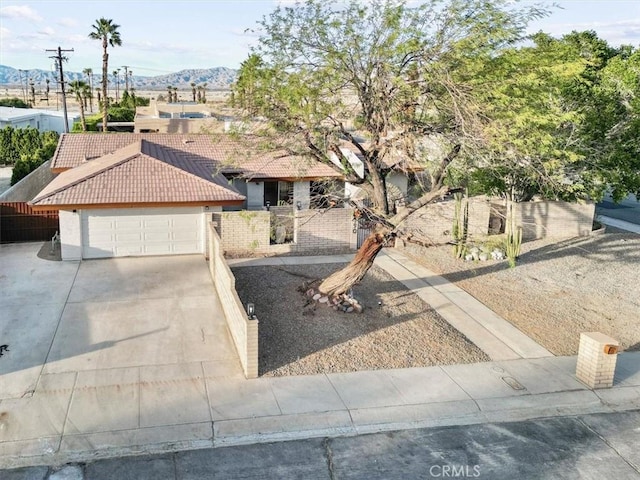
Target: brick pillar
(597, 357)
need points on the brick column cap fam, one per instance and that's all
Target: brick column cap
(600, 338)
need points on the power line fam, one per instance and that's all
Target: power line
(59, 58)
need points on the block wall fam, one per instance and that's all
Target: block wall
(244, 331)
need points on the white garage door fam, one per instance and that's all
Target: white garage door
(151, 231)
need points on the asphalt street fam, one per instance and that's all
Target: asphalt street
(582, 447)
(627, 210)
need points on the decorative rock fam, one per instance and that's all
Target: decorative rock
(311, 292)
(497, 254)
(322, 299)
(483, 256)
(281, 234)
(468, 257)
(358, 308)
(350, 309)
(317, 296)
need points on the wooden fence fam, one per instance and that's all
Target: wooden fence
(20, 223)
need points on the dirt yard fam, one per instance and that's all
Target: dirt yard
(558, 289)
(402, 331)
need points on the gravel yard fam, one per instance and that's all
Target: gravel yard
(294, 340)
(558, 289)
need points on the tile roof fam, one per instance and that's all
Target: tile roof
(199, 154)
(141, 172)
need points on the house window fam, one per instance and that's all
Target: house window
(278, 193)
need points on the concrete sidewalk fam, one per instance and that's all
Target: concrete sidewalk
(112, 412)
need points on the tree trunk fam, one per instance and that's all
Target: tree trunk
(105, 79)
(82, 117)
(341, 281)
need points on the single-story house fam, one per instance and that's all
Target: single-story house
(41, 120)
(152, 194)
(398, 179)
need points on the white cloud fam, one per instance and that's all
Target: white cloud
(20, 12)
(47, 32)
(67, 22)
(615, 32)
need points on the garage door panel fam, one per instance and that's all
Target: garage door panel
(134, 232)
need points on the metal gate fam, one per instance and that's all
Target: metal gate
(364, 229)
(20, 223)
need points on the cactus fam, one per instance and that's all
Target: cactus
(514, 237)
(460, 225)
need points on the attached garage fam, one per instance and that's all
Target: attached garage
(143, 199)
(133, 232)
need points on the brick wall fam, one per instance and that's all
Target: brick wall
(244, 331)
(552, 219)
(435, 221)
(325, 230)
(315, 232)
(244, 231)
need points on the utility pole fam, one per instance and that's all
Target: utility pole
(59, 58)
(22, 89)
(126, 77)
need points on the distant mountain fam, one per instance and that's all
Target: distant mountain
(216, 78)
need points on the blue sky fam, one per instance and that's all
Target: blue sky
(165, 36)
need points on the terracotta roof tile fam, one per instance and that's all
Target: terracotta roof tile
(199, 154)
(141, 172)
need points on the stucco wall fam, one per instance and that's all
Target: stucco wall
(70, 235)
(302, 194)
(255, 195)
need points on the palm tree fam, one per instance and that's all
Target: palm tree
(193, 91)
(48, 89)
(80, 90)
(169, 91)
(89, 73)
(107, 31)
(204, 92)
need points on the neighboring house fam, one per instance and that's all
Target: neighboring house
(42, 120)
(398, 179)
(153, 194)
(184, 117)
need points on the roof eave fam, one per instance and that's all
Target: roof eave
(94, 206)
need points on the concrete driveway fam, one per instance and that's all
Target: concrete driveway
(129, 340)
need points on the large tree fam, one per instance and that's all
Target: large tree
(380, 78)
(528, 129)
(560, 120)
(610, 133)
(107, 32)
